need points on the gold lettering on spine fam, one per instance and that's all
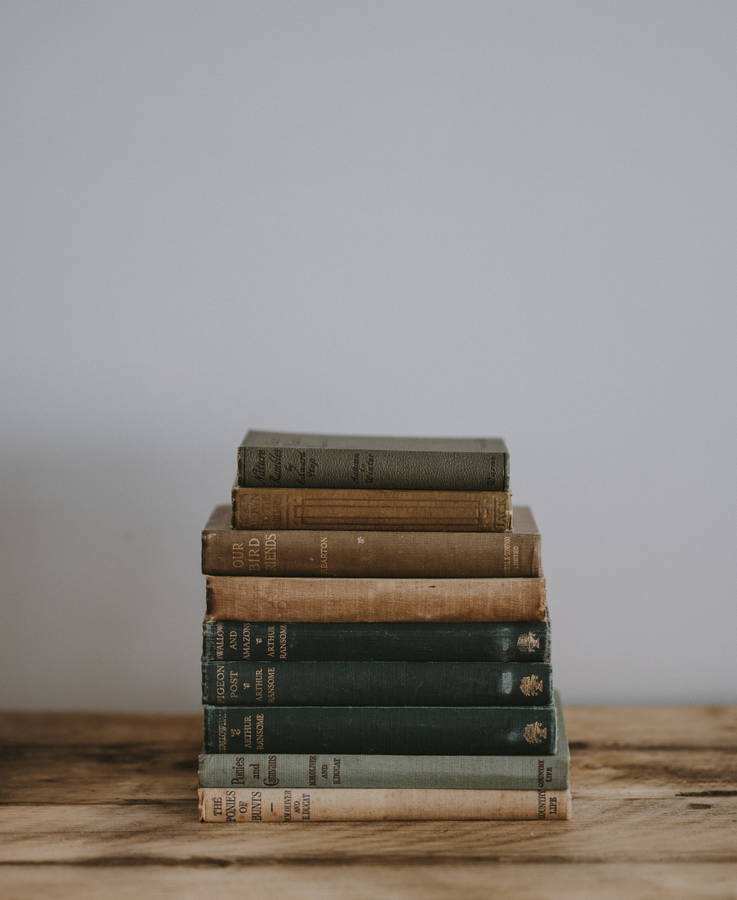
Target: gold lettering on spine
(507, 554)
(233, 691)
(528, 642)
(259, 685)
(220, 684)
(531, 686)
(535, 733)
(256, 508)
(254, 555)
(282, 642)
(502, 513)
(238, 556)
(270, 554)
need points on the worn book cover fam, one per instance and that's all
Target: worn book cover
(378, 510)
(375, 599)
(378, 804)
(414, 730)
(431, 641)
(282, 459)
(369, 553)
(375, 683)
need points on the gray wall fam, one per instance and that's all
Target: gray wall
(408, 217)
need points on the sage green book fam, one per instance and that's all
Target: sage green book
(301, 770)
(283, 459)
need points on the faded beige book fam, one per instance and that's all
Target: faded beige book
(375, 599)
(377, 804)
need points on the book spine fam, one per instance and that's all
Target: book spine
(377, 804)
(378, 510)
(361, 683)
(372, 469)
(333, 771)
(439, 641)
(376, 599)
(377, 554)
(414, 730)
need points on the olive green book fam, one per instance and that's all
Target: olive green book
(283, 459)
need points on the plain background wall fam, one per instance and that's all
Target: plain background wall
(409, 217)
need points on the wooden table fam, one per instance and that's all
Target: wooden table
(97, 805)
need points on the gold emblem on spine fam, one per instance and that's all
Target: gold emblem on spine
(528, 642)
(535, 733)
(531, 686)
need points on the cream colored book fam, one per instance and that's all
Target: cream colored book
(377, 804)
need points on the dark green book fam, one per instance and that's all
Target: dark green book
(403, 641)
(362, 683)
(282, 459)
(303, 770)
(415, 730)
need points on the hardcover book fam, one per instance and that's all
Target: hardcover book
(333, 771)
(369, 553)
(376, 510)
(372, 683)
(376, 599)
(372, 804)
(439, 641)
(281, 459)
(414, 730)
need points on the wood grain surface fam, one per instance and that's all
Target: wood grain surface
(105, 805)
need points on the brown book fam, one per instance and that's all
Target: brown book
(329, 509)
(378, 554)
(372, 804)
(375, 599)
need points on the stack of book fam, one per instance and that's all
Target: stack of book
(377, 644)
